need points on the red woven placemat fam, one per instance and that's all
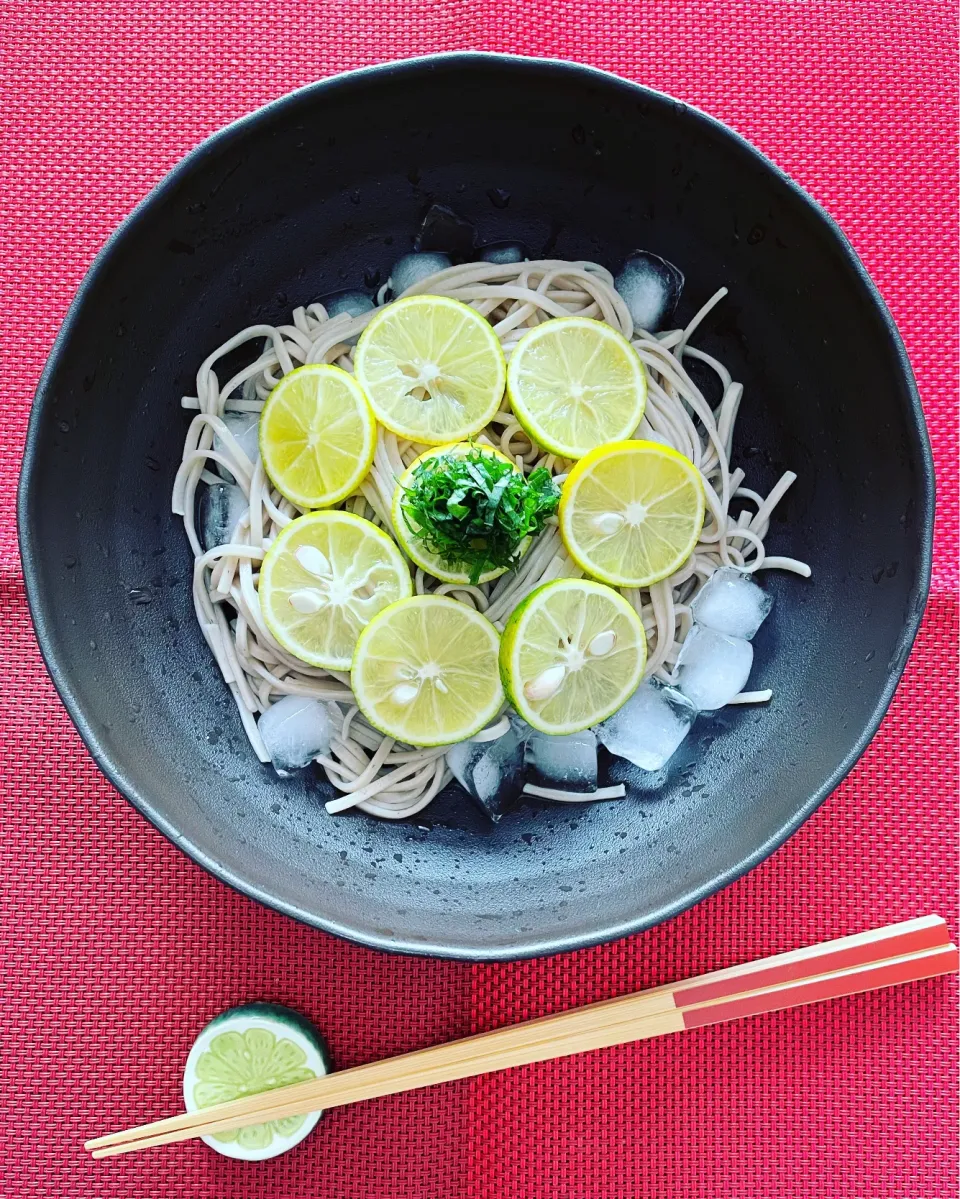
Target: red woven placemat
(116, 948)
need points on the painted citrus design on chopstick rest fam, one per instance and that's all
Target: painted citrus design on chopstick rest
(246, 1051)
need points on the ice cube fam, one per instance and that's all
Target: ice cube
(295, 730)
(712, 668)
(219, 508)
(649, 727)
(411, 268)
(245, 427)
(348, 303)
(567, 762)
(650, 287)
(491, 772)
(353, 303)
(442, 229)
(732, 603)
(501, 252)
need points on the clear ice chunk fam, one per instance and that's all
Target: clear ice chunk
(650, 726)
(491, 772)
(352, 303)
(219, 508)
(567, 762)
(348, 303)
(245, 427)
(295, 730)
(503, 252)
(442, 229)
(731, 602)
(411, 268)
(650, 287)
(712, 668)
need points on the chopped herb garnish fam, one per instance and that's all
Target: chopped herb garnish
(473, 510)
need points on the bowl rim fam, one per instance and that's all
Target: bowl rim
(31, 553)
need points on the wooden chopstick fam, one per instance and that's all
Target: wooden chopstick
(382, 1081)
(908, 936)
(881, 957)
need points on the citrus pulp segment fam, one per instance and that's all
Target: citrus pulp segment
(317, 436)
(432, 369)
(425, 671)
(631, 512)
(323, 579)
(572, 653)
(575, 383)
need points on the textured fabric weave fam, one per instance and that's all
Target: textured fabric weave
(116, 949)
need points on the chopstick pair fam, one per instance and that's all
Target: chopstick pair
(898, 953)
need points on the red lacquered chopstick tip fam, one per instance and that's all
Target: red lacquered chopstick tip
(912, 936)
(930, 964)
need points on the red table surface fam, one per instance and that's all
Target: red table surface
(117, 948)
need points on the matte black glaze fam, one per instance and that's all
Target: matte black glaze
(323, 190)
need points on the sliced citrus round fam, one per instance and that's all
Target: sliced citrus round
(327, 575)
(432, 369)
(425, 671)
(572, 653)
(631, 512)
(247, 1050)
(406, 531)
(317, 436)
(575, 383)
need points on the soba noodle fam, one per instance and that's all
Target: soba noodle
(372, 772)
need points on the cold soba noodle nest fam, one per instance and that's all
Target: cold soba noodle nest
(373, 772)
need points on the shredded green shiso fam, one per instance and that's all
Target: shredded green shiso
(473, 510)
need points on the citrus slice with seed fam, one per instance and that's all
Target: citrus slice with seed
(575, 383)
(317, 436)
(406, 532)
(425, 671)
(325, 577)
(245, 1051)
(572, 653)
(631, 512)
(432, 369)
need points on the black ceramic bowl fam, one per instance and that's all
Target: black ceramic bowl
(324, 189)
